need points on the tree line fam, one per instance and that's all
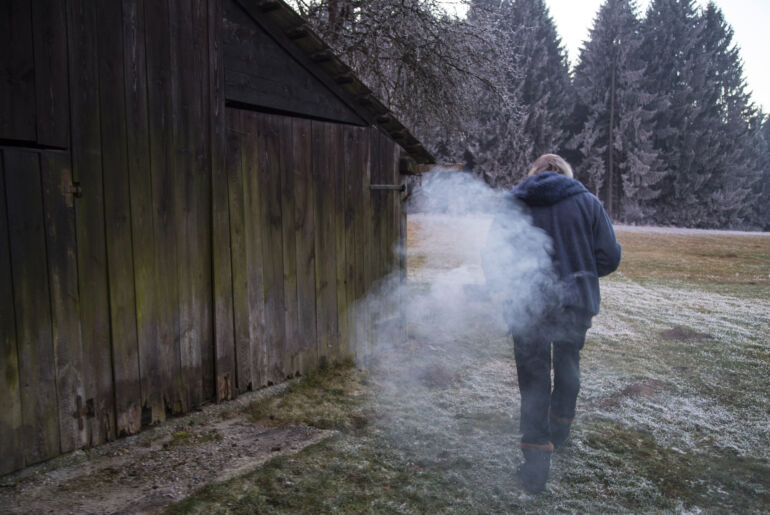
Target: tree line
(655, 118)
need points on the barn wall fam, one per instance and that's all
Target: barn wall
(160, 250)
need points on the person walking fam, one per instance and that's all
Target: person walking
(584, 248)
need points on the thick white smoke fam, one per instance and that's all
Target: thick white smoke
(476, 257)
(440, 355)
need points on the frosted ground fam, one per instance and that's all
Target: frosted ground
(674, 414)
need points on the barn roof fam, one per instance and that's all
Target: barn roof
(283, 18)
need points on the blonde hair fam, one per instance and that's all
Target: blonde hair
(551, 162)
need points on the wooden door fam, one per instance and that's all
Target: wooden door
(40, 341)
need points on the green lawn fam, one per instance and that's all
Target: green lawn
(673, 416)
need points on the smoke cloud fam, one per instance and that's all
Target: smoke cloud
(440, 356)
(473, 258)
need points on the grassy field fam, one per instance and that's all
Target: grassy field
(673, 416)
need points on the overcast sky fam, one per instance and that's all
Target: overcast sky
(750, 20)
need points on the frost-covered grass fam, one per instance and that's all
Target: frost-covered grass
(673, 416)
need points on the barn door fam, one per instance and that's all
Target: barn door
(41, 387)
(270, 202)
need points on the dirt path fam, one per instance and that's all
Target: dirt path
(146, 472)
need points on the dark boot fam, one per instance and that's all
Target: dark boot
(559, 433)
(533, 473)
(559, 429)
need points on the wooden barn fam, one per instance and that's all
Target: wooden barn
(192, 195)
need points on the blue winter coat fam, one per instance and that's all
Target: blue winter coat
(584, 244)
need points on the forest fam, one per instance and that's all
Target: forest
(655, 117)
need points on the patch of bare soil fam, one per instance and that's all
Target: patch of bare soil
(148, 471)
(682, 334)
(646, 388)
(435, 375)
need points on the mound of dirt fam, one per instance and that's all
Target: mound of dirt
(683, 334)
(435, 375)
(644, 388)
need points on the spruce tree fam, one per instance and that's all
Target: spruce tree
(494, 133)
(617, 160)
(669, 47)
(707, 135)
(761, 216)
(524, 118)
(544, 89)
(730, 127)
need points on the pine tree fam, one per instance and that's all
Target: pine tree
(617, 160)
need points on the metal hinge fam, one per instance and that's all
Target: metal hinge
(74, 189)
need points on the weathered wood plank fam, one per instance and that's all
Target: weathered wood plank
(238, 251)
(255, 228)
(117, 215)
(186, 89)
(363, 238)
(351, 158)
(10, 395)
(327, 328)
(398, 254)
(51, 89)
(142, 212)
(63, 277)
(377, 204)
(305, 223)
(366, 180)
(89, 211)
(272, 246)
(388, 174)
(391, 177)
(6, 85)
(364, 256)
(379, 245)
(291, 351)
(161, 100)
(400, 242)
(40, 428)
(224, 338)
(344, 185)
(197, 136)
(17, 80)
